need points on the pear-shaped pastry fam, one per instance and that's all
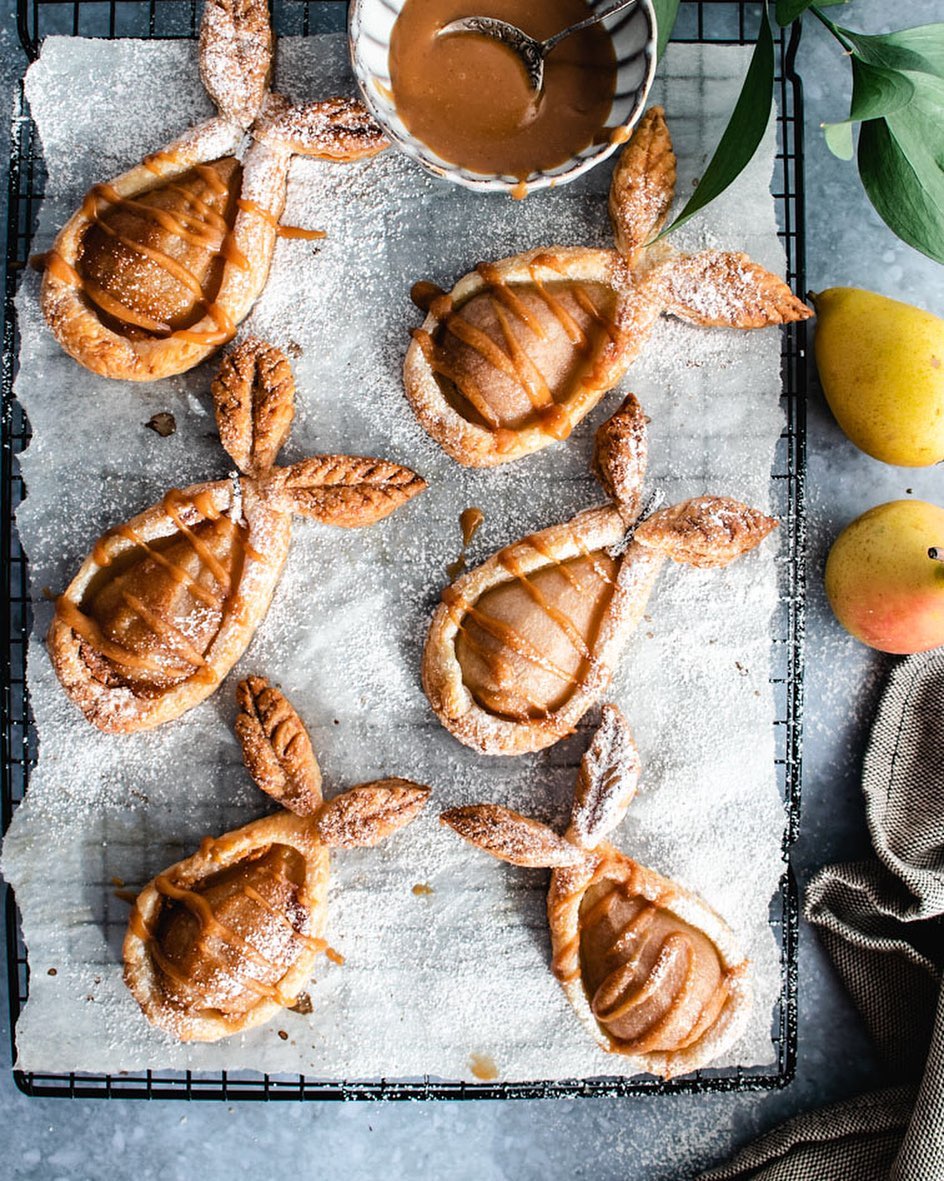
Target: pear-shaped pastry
(521, 350)
(521, 647)
(166, 603)
(652, 971)
(223, 940)
(159, 266)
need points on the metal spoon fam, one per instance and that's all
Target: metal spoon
(531, 51)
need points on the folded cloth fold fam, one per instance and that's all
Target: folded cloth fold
(882, 922)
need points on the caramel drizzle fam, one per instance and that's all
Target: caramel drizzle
(620, 982)
(174, 504)
(674, 948)
(465, 385)
(89, 631)
(575, 334)
(425, 294)
(508, 560)
(565, 964)
(272, 221)
(153, 162)
(203, 228)
(197, 590)
(210, 926)
(460, 610)
(167, 631)
(174, 501)
(513, 361)
(582, 296)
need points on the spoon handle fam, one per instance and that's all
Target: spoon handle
(552, 42)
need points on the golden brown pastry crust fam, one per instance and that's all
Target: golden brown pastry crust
(258, 939)
(254, 397)
(76, 323)
(143, 976)
(276, 748)
(338, 129)
(236, 56)
(643, 185)
(457, 709)
(346, 491)
(670, 988)
(365, 815)
(254, 400)
(479, 446)
(235, 59)
(118, 709)
(567, 889)
(620, 456)
(726, 289)
(503, 704)
(706, 531)
(648, 277)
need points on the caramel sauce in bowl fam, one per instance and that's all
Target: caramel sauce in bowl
(420, 88)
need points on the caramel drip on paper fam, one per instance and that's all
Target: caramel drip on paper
(196, 224)
(300, 232)
(175, 504)
(518, 705)
(469, 521)
(271, 220)
(483, 1066)
(510, 356)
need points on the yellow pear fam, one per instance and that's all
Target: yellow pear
(881, 364)
(885, 577)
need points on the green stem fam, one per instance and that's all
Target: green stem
(832, 28)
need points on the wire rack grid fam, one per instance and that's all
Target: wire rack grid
(717, 22)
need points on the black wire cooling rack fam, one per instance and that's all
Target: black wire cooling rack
(720, 22)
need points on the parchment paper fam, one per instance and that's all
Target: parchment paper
(430, 979)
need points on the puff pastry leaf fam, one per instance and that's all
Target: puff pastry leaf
(254, 399)
(707, 531)
(276, 748)
(509, 836)
(606, 781)
(344, 490)
(367, 814)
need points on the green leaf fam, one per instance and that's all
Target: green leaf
(838, 138)
(744, 131)
(875, 92)
(904, 182)
(920, 49)
(786, 11)
(666, 11)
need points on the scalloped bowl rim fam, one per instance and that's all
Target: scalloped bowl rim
(496, 182)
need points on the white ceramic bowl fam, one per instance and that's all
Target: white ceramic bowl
(370, 25)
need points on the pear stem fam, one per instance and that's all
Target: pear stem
(936, 553)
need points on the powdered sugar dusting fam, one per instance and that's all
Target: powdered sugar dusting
(606, 784)
(427, 980)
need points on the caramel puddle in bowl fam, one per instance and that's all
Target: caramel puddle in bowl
(466, 96)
